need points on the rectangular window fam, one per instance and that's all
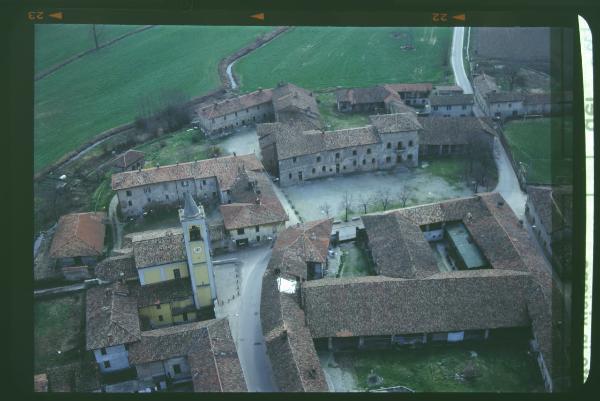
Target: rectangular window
(373, 161)
(106, 364)
(185, 317)
(448, 107)
(160, 318)
(293, 160)
(464, 107)
(313, 170)
(129, 203)
(103, 351)
(369, 151)
(388, 159)
(323, 168)
(389, 145)
(435, 107)
(364, 161)
(509, 105)
(256, 228)
(128, 193)
(149, 200)
(318, 159)
(258, 238)
(177, 273)
(354, 162)
(354, 153)
(176, 369)
(157, 306)
(337, 155)
(167, 196)
(240, 231)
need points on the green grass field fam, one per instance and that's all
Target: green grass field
(544, 147)
(107, 88)
(499, 367)
(179, 147)
(56, 43)
(323, 57)
(354, 262)
(59, 325)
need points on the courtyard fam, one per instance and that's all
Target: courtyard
(317, 199)
(465, 367)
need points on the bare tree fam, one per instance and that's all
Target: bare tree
(513, 76)
(325, 208)
(402, 196)
(347, 204)
(364, 201)
(481, 161)
(384, 196)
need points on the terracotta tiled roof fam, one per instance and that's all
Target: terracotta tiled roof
(158, 247)
(373, 94)
(116, 268)
(450, 100)
(239, 103)
(111, 317)
(223, 168)
(503, 97)
(74, 377)
(209, 347)
(452, 130)
(297, 246)
(398, 122)
(420, 87)
(128, 158)
(79, 234)
(163, 292)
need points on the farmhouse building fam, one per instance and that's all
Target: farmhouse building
(374, 99)
(447, 90)
(442, 136)
(456, 105)
(451, 271)
(203, 353)
(414, 95)
(207, 180)
(277, 104)
(79, 240)
(390, 140)
(549, 211)
(129, 161)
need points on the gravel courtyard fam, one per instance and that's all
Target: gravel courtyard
(243, 142)
(420, 185)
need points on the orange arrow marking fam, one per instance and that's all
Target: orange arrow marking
(260, 16)
(56, 15)
(460, 17)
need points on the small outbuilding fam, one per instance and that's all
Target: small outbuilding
(79, 239)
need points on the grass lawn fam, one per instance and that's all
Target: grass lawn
(182, 146)
(325, 57)
(354, 261)
(500, 368)
(102, 195)
(545, 148)
(154, 221)
(59, 324)
(450, 169)
(107, 88)
(333, 119)
(56, 43)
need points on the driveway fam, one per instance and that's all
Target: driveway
(456, 58)
(508, 184)
(244, 317)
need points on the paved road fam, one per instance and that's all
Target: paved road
(458, 67)
(116, 225)
(244, 317)
(287, 207)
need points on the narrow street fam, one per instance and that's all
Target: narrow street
(115, 224)
(456, 58)
(244, 318)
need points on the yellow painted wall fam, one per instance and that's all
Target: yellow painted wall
(201, 274)
(151, 276)
(179, 318)
(152, 313)
(204, 297)
(183, 269)
(198, 252)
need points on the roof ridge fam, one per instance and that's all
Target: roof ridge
(212, 352)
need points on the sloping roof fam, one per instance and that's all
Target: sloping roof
(503, 97)
(289, 97)
(238, 103)
(447, 88)
(451, 100)
(398, 122)
(111, 317)
(79, 234)
(74, 377)
(208, 346)
(128, 158)
(452, 130)
(420, 87)
(297, 246)
(537, 98)
(223, 168)
(344, 138)
(399, 247)
(453, 301)
(254, 202)
(290, 348)
(485, 84)
(373, 94)
(153, 248)
(116, 268)
(163, 292)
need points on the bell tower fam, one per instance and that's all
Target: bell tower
(197, 249)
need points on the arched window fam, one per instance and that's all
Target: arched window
(195, 234)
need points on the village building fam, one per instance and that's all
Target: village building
(456, 105)
(129, 161)
(452, 271)
(449, 136)
(549, 212)
(299, 254)
(78, 243)
(268, 105)
(374, 99)
(414, 95)
(447, 90)
(117, 268)
(202, 352)
(208, 180)
(167, 303)
(390, 140)
(112, 324)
